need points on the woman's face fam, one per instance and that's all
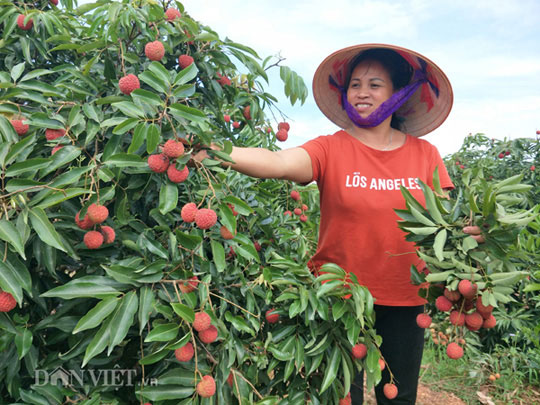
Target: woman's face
(369, 87)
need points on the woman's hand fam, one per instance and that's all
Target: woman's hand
(475, 232)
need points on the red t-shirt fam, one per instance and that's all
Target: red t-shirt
(359, 188)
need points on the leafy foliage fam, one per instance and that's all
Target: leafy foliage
(102, 325)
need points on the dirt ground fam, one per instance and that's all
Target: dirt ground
(426, 396)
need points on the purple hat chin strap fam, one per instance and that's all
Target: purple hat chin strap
(387, 108)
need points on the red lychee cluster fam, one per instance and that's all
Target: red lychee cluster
(7, 302)
(95, 215)
(154, 50)
(206, 388)
(208, 333)
(223, 80)
(204, 218)
(165, 161)
(283, 131)
(129, 83)
(184, 61)
(171, 14)
(184, 353)
(20, 127)
(465, 309)
(20, 22)
(300, 209)
(272, 316)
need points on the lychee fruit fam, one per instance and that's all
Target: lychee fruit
(7, 302)
(282, 135)
(177, 176)
(533, 168)
(188, 212)
(172, 13)
(184, 61)
(304, 207)
(303, 218)
(257, 246)
(484, 310)
(52, 134)
(129, 83)
(423, 320)
(158, 163)
(453, 296)
(93, 239)
(454, 351)
(225, 233)
(457, 318)
(85, 223)
(223, 80)
(298, 211)
(443, 304)
(284, 125)
(230, 379)
(20, 22)
(184, 353)
(359, 351)
(382, 364)
(390, 390)
(108, 234)
(97, 213)
(467, 289)
(202, 321)
(490, 322)
(346, 401)
(227, 118)
(55, 2)
(271, 316)
(205, 218)
(20, 127)
(295, 195)
(236, 124)
(474, 321)
(289, 213)
(190, 285)
(206, 387)
(231, 206)
(247, 112)
(208, 335)
(56, 149)
(154, 50)
(173, 149)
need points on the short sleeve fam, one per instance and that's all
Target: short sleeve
(317, 150)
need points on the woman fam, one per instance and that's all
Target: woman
(384, 97)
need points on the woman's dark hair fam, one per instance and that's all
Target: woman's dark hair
(398, 68)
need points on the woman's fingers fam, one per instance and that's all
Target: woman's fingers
(475, 232)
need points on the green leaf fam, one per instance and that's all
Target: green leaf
(218, 255)
(189, 113)
(154, 81)
(129, 109)
(82, 288)
(7, 130)
(96, 315)
(146, 306)
(98, 343)
(185, 312)
(23, 341)
(152, 138)
(10, 234)
(186, 75)
(147, 97)
(164, 392)
(17, 71)
(122, 319)
(332, 367)
(438, 244)
(9, 281)
(168, 197)
(163, 333)
(125, 160)
(28, 165)
(45, 230)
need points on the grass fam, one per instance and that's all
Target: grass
(470, 374)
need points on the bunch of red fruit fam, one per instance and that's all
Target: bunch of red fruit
(204, 218)
(165, 161)
(300, 209)
(95, 215)
(465, 309)
(283, 131)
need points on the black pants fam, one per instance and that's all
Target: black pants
(402, 347)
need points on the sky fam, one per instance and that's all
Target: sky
(489, 49)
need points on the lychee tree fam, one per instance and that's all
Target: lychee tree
(116, 239)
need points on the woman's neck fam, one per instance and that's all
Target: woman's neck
(381, 137)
